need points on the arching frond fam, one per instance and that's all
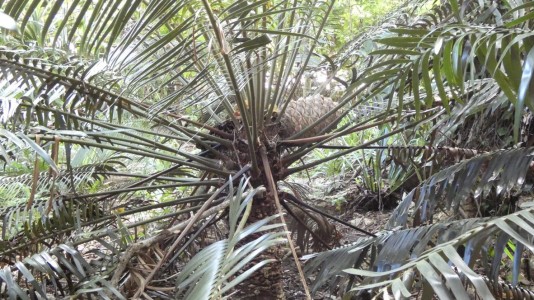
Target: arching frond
(73, 269)
(214, 271)
(386, 251)
(502, 170)
(432, 60)
(18, 187)
(445, 270)
(443, 254)
(392, 253)
(63, 268)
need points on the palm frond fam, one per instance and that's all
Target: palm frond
(130, 78)
(502, 170)
(444, 255)
(17, 187)
(432, 60)
(386, 251)
(398, 251)
(213, 272)
(73, 269)
(445, 270)
(64, 269)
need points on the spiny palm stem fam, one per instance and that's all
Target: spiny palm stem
(212, 82)
(275, 95)
(149, 178)
(151, 187)
(328, 137)
(202, 125)
(106, 125)
(213, 168)
(308, 56)
(324, 137)
(182, 130)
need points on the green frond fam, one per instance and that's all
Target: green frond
(214, 271)
(433, 248)
(444, 255)
(502, 170)
(63, 268)
(445, 270)
(389, 250)
(73, 271)
(18, 187)
(121, 122)
(432, 60)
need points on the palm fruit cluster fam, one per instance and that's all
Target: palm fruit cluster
(303, 112)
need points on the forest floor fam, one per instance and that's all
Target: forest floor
(351, 203)
(345, 201)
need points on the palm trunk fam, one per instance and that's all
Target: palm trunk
(267, 282)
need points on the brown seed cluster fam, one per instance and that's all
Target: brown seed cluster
(303, 112)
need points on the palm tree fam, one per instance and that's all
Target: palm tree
(105, 103)
(96, 94)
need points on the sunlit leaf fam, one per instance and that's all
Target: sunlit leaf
(7, 22)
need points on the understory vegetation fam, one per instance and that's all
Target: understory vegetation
(266, 149)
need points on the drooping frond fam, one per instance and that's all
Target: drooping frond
(392, 253)
(448, 54)
(445, 269)
(386, 251)
(73, 269)
(65, 270)
(430, 251)
(502, 170)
